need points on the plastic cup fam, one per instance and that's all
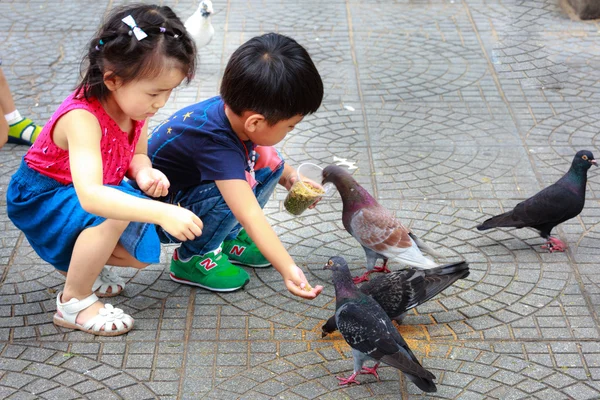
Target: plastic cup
(303, 193)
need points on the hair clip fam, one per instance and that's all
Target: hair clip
(137, 31)
(162, 29)
(100, 43)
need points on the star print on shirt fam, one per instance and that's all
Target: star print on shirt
(187, 115)
(169, 130)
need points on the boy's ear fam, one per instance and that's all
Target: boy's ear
(111, 81)
(254, 122)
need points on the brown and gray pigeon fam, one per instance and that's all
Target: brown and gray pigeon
(551, 206)
(376, 228)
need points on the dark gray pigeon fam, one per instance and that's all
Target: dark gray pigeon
(376, 228)
(401, 291)
(553, 205)
(370, 332)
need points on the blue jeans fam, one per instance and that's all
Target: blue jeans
(220, 224)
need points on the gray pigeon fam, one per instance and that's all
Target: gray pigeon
(401, 291)
(376, 228)
(370, 332)
(551, 206)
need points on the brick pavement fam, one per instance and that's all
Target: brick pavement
(453, 111)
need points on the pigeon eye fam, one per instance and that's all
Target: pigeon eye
(584, 157)
(330, 263)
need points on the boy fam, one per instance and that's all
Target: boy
(218, 158)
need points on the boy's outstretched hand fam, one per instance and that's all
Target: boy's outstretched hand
(297, 284)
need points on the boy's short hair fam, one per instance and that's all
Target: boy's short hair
(274, 76)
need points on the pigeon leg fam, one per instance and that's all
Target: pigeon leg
(349, 380)
(554, 244)
(372, 371)
(383, 268)
(364, 277)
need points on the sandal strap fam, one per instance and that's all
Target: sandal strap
(71, 308)
(110, 318)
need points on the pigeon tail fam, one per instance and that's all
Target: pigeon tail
(424, 247)
(505, 220)
(425, 384)
(451, 268)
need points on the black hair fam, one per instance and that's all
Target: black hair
(116, 48)
(274, 76)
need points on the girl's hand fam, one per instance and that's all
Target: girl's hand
(297, 284)
(152, 182)
(181, 223)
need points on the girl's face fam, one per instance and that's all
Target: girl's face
(142, 98)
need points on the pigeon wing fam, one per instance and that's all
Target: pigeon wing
(398, 291)
(379, 230)
(554, 204)
(439, 279)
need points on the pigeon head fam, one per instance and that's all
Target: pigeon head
(336, 175)
(337, 264)
(353, 195)
(583, 160)
(206, 8)
(342, 279)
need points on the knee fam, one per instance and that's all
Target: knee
(116, 226)
(138, 264)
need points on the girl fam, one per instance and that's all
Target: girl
(69, 197)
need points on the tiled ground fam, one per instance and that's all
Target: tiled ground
(452, 110)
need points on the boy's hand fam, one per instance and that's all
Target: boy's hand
(297, 284)
(181, 223)
(293, 178)
(152, 182)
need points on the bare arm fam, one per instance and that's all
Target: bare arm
(151, 181)
(241, 200)
(80, 132)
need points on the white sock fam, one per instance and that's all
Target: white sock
(13, 117)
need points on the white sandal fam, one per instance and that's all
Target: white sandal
(107, 317)
(108, 279)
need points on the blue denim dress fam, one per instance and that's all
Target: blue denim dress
(51, 217)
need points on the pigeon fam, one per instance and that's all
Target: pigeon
(370, 332)
(198, 25)
(376, 228)
(403, 290)
(551, 206)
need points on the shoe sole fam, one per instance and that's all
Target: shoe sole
(191, 283)
(61, 322)
(250, 265)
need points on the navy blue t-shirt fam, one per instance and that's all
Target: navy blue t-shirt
(197, 145)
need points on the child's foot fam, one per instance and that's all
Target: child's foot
(23, 132)
(91, 316)
(212, 271)
(242, 250)
(108, 284)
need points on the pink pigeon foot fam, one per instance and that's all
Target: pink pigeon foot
(364, 277)
(383, 268)
(553, 244)
(348, 380)
(371, 371)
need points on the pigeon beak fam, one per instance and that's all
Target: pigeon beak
(594, 162)
(326, 266)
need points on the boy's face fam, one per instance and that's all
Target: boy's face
(261, 133)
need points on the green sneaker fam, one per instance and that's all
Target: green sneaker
(212, 271)
(242, 250)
